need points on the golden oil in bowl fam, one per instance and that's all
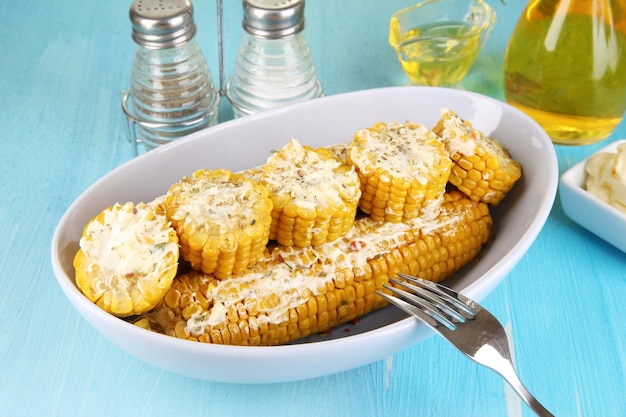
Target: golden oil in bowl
(438, 55)
(437, 41)
(565, 66)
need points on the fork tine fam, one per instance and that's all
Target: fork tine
(417, 303)
(453, 312)
(409, 308)
(446, 294)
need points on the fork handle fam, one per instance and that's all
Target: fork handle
(511, 377)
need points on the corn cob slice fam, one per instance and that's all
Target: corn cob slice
(403, 170)
(222, 220)
(253, 174)
(315, 196)
(340, 151)
(127, 259)
(483, 169)
(295, 292)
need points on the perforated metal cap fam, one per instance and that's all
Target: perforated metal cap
(160, 24)
(273, 19)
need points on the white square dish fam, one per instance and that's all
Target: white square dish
(590, 212)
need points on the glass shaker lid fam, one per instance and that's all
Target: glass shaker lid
(160, 24)
(273, 19)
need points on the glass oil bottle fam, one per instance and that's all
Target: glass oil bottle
(565, 66)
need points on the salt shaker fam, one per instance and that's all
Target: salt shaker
(274, 65)
(171, 90)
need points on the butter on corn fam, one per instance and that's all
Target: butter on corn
(127, 259)
(483, 169)
(403, 168)
(295, 292)
(327, 260)
(222, 219)
(314, 195)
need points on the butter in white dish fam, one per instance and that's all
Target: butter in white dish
(606, 177)
(595, 215)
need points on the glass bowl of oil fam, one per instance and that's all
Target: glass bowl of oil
(437, 41)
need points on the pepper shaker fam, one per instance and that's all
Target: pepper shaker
(171, 90)
(274, 65)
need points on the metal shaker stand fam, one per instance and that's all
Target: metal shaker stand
(263, 20)
(220, 45)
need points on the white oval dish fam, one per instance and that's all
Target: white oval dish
(247, 142)
(595, 215)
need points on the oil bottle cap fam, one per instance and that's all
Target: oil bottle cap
(161, 24)
(273, 19)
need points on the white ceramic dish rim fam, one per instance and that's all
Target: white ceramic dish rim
(572, 185)
(254, 361)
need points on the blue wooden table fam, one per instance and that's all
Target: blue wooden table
(63, 66)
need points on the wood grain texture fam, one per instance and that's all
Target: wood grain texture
(64, 64)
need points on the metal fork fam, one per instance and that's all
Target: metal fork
(464, 323)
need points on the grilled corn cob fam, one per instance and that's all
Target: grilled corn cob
(482, 169)
(222, 219)
(315, 196)
(295, 292)
(339, 151)
(253, 173)
(127, 259)
(403, 170)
